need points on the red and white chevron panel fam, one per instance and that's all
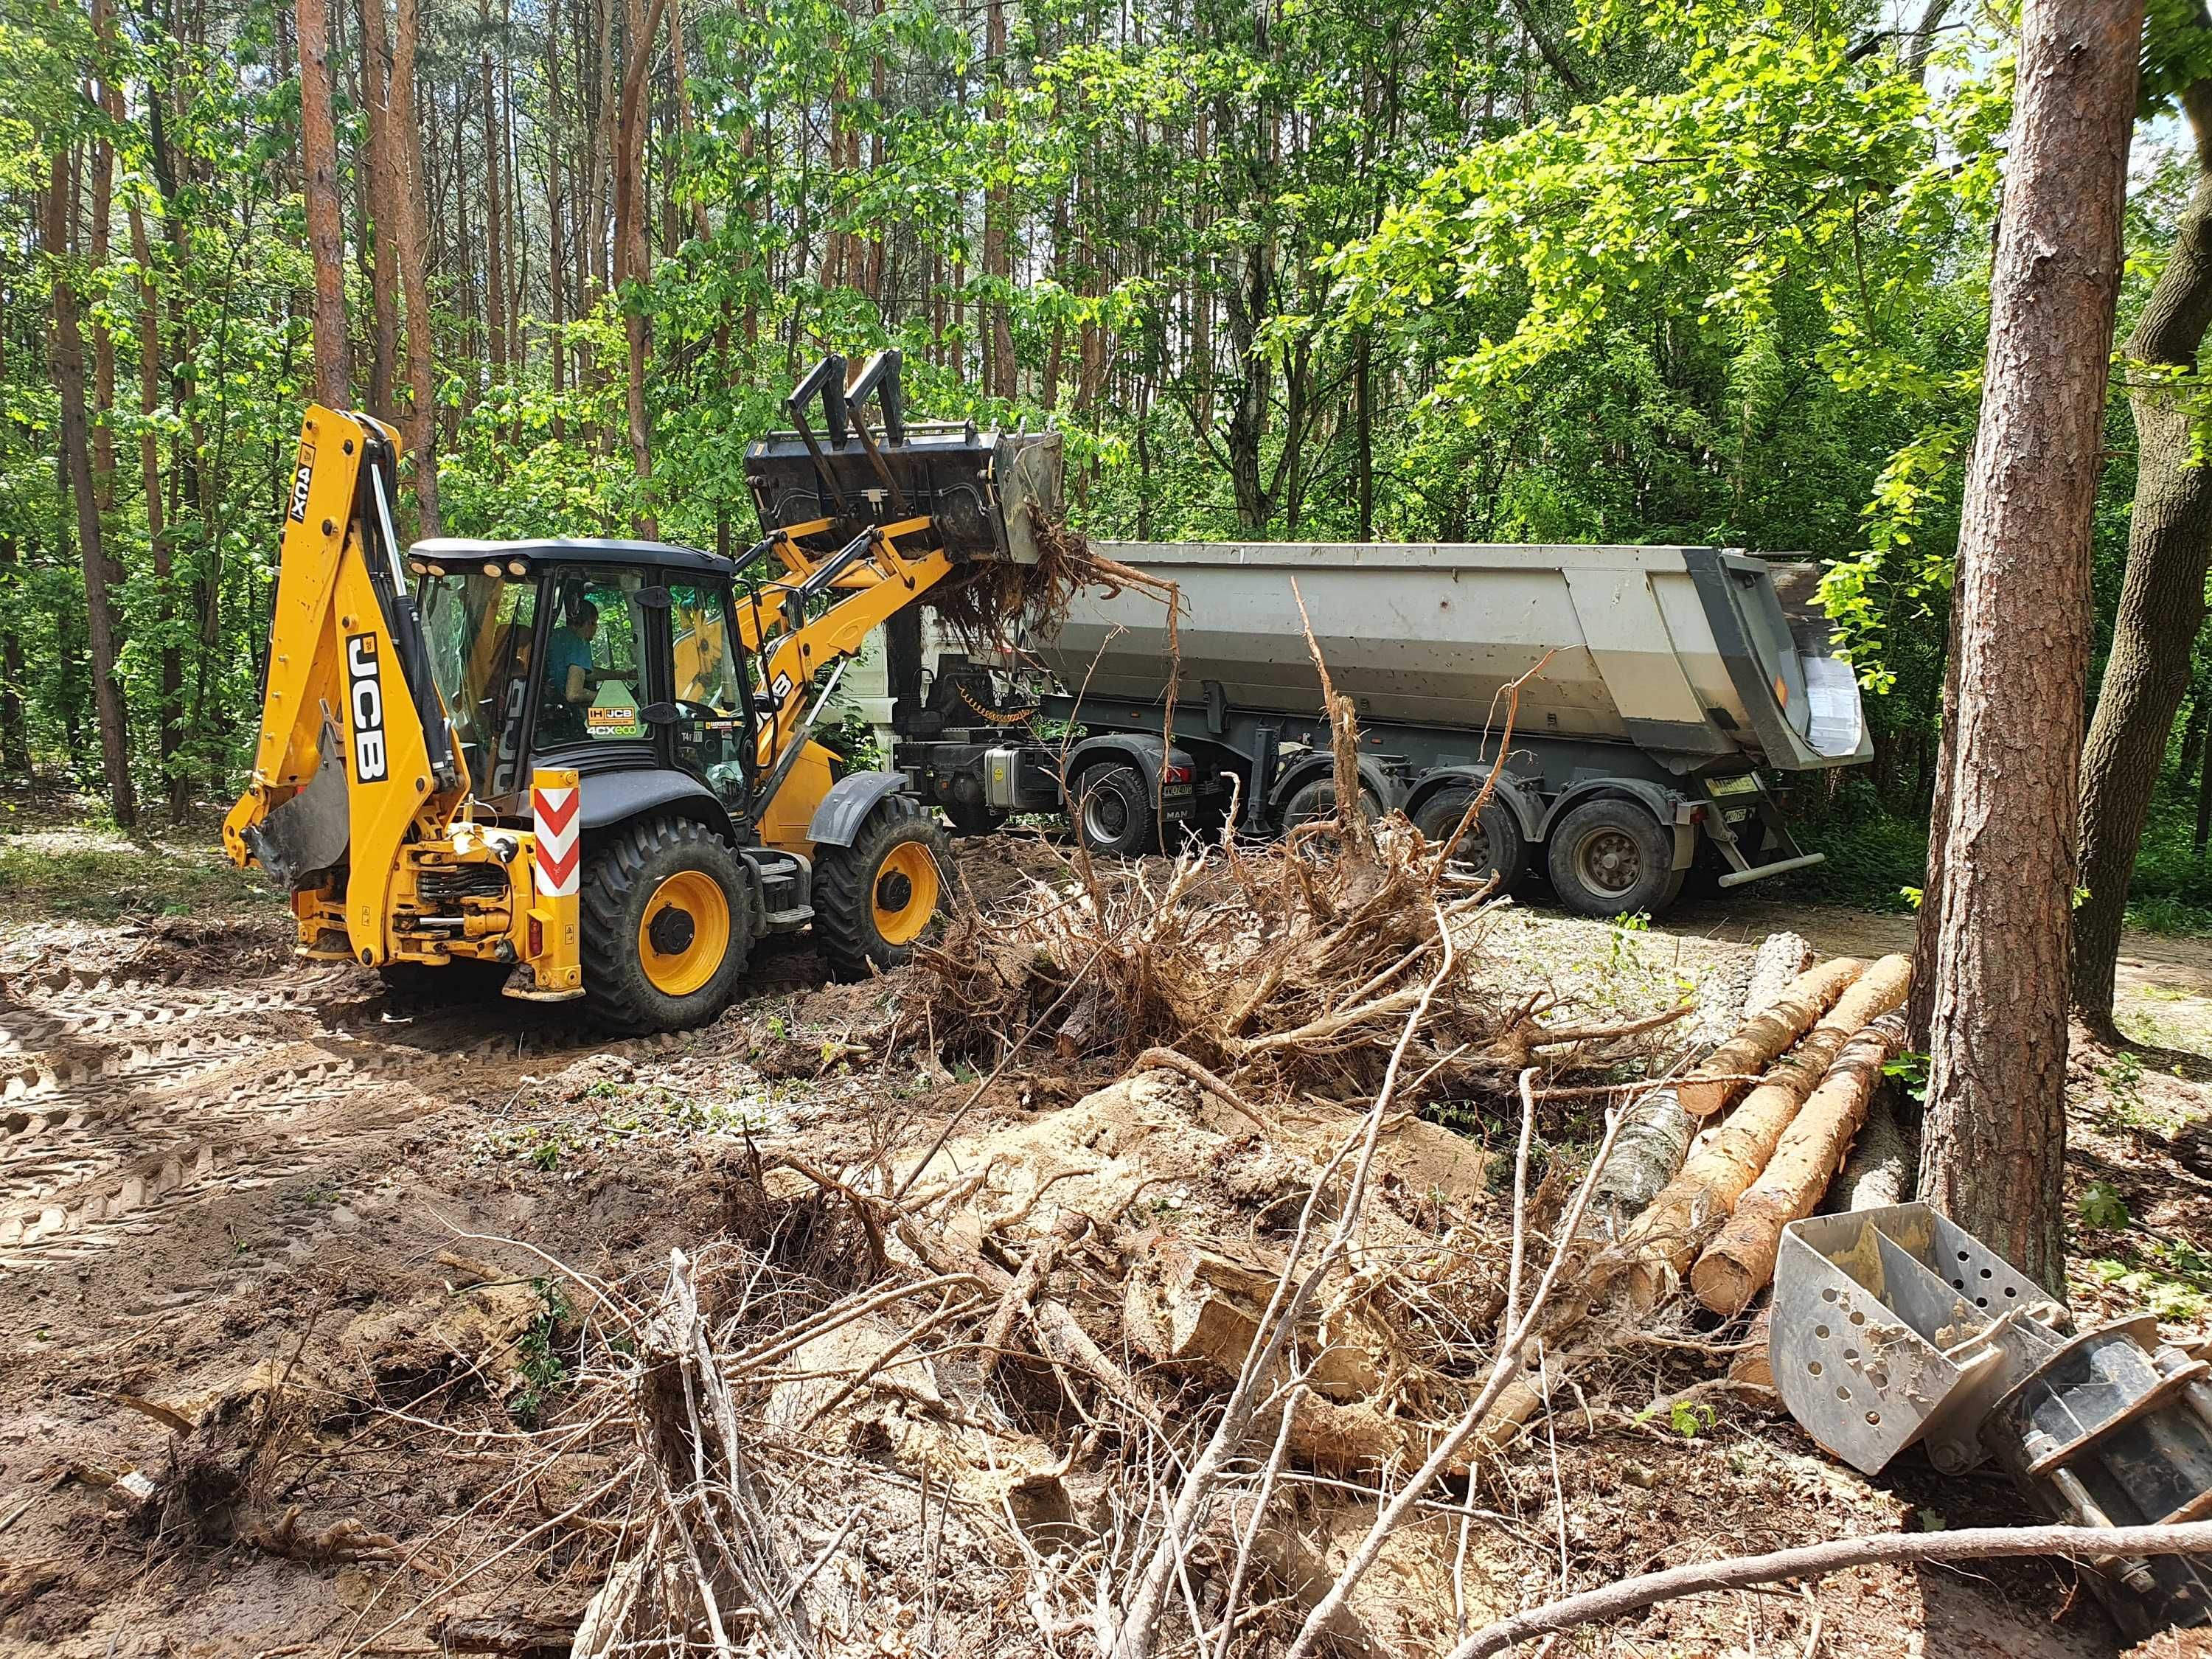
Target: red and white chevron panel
(559, 824)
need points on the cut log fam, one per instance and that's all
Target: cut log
(1880, 1171)
(1752, 1365)
(1722, 1078)
(1775, 967)
(1738, 1264)
(1656, 1139)
(1666, 1238)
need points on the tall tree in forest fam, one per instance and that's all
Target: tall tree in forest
(378, 182)
(1994, 1154)
(2162, 593)
(629, 250)
(170, 686)
(102, 632)
(414, 256)
(318, 148)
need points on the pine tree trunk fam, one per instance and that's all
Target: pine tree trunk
(2161, 594)
(318, 146)
(629, 250)
(415, 277)
(495, 221)
(998, 249)
(102, 632)
(384, 199)
(150, 476)
(1994, 1149)
(14, 730)
(103, 343)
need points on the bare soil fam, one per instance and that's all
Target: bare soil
(209, 1155)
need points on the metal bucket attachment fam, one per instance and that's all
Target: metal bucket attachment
(977, 485)
(1892, 1325)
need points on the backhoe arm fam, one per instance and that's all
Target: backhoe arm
(354, 746)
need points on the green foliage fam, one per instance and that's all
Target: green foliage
(539, 1370)
(2102, 1208)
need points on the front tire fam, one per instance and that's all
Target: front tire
(1612, 858)
(667, 912)
(877, 899)
(1113, 810)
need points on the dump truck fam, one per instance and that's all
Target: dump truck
(1667, 695)
(587, 768)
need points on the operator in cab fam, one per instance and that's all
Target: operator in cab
(570, 679)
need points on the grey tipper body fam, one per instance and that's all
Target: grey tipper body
(1684, 682)
(1675, 649)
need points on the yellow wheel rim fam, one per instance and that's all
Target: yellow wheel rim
(685, 933)
(906, 892)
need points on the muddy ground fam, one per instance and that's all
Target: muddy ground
(209, 1156)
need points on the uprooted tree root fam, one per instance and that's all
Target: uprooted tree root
(997, 605)
(1282, 972)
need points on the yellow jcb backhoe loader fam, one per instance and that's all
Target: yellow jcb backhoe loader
(584, 767)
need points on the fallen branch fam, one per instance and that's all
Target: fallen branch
(1737, 1572)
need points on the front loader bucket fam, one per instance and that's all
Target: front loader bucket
(1892, 1325)
(978, 485)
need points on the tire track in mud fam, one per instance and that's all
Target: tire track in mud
(129, 1100)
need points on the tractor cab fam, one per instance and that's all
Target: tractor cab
(605, 657)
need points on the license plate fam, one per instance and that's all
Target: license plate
(1176, 802)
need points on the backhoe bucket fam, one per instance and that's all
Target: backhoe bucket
(1892, 1325)
(979, 485)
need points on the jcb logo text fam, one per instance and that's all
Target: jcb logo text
(365, 697)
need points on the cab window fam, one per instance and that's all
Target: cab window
(593, 687)
(479, 631)
(706, 669)
(712, 738)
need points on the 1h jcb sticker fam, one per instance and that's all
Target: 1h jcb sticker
(365, 702)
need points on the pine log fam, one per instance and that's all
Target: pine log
(1656, 1139)
(1879, 1171)
(1667, 1236)
(1737, 1264)
(1752, 1366)
(1766, 1037)
(1775, 967)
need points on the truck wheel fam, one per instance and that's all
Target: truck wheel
(873, 900)
(1317, 800)
(1113, 810)
(1492, 843)
(1610, 858)
(667, 916)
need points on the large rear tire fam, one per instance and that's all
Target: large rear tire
(1317, 800)
(1610, 858)
(877, 899)
(1492, 843)
(667, 910)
